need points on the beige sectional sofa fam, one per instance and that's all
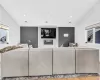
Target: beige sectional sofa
(40, 61)
(49, 61)
(87, 60)
(14, 63)
(63, 60)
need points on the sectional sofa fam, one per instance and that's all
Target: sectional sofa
(49, 61)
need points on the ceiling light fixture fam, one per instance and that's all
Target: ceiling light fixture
(70, 16)
(24, 15)
(26, 22)
(46, 21)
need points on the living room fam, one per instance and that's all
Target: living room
(45, 26)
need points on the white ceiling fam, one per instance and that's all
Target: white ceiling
(55, 12)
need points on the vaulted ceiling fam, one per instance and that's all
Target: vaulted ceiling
(52, 12)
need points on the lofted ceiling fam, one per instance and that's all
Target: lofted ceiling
(52, 12)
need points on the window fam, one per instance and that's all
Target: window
(97, 35)
(90, 36)
(93, 33)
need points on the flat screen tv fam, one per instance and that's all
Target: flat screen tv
(48, 32)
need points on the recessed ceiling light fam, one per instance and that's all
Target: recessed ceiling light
(24, 15)
(25, 21)
(46, 21)
(70, 16)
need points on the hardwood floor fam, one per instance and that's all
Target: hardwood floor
(80, 78)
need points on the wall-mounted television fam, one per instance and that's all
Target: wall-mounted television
(48, 32)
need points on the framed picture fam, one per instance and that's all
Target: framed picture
(3, 34)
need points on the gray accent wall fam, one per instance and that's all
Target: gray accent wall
(66, 40)
(29, 33)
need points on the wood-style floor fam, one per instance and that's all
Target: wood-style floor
(79, 78)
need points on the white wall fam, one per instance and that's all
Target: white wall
(0, 16)
(92, 17)
(14, 28)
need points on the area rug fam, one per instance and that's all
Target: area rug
(58, 77)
